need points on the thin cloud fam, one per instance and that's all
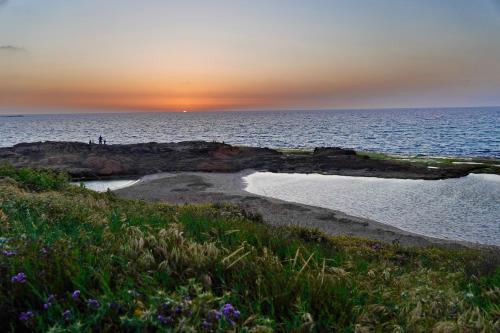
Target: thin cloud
(11, 48)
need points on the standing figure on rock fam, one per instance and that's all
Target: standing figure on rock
(100, 139)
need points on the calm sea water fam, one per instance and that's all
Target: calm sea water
(466, 208)
(433, 132)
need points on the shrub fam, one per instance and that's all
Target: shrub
(38, 180)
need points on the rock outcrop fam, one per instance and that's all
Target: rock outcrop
(84, 161)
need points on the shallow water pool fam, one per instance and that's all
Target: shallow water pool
(465, 208)
(104, 185)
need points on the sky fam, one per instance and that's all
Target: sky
(162, 55)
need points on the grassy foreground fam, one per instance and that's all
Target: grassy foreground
(73, 260)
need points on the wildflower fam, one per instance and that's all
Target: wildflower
(206, 325)
(178, 310)
(93, 303)
(214, 315)
(230, 310)
(46, 306)
(19, 278)
(51, 298)
(164, 320)
(227, 309)
(75, 294)
(8, 253)
(230, 313)
(25, 316)
(67, 314)
(44, 250)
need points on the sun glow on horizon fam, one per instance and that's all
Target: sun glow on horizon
(256, 55)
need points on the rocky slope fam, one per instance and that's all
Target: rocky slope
(84, 161)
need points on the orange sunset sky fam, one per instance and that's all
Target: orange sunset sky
(242, 55)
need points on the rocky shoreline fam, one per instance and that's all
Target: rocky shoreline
(92, 161)
(211, 172)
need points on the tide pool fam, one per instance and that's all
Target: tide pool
(104, 185)
(465, 208)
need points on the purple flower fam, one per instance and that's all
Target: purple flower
(164, 320)
(205, 324)
(50, 299)
(43, 250)
(25, 316)
(66, 314)
(178, 310)
(227, 309)
(230, 313)
(75, 294)
(19, 278)
(214, 315)
(93, 303)
(9, 253)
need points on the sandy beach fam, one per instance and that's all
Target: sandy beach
(228, 188)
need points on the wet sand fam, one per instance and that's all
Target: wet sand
(197, 187)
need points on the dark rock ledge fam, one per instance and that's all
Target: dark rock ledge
(84, 161)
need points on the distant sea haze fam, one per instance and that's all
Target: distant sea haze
(462, 132)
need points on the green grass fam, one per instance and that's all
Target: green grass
(156, 267)
(487, 165)
(37, 180)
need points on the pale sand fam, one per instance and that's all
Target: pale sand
(196, 187)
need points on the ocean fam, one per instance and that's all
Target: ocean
(464, 132)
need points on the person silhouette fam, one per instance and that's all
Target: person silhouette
(104, 141)
(100, 139)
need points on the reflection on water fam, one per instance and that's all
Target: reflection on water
(104, 185)
(466, 208)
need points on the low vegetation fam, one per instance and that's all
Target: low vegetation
(479, 164)
(73, 260)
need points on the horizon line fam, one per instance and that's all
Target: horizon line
(94, 110)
